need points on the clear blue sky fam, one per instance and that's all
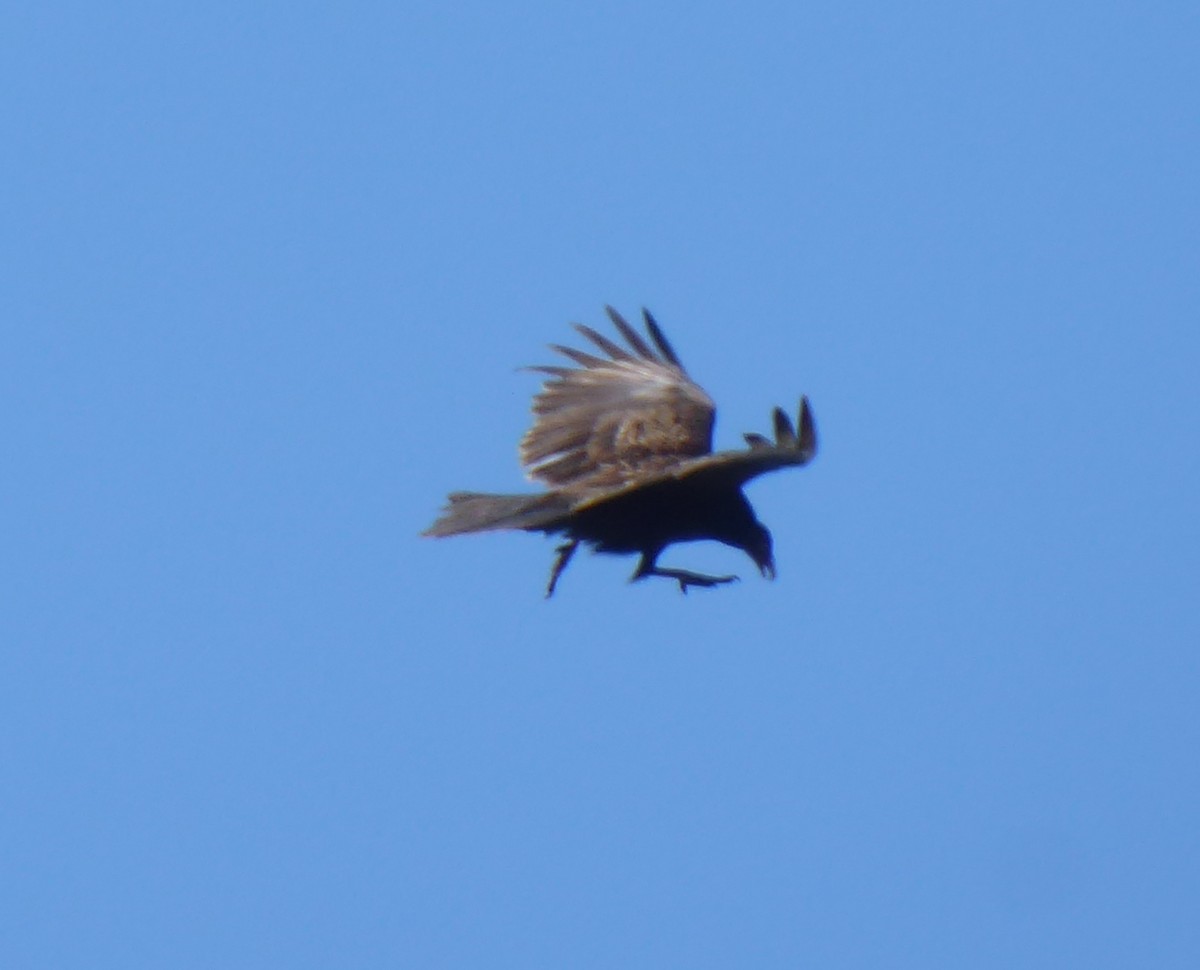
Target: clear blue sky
(267, 273)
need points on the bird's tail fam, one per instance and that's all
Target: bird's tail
(480, 512)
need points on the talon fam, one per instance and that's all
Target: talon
(562, 556)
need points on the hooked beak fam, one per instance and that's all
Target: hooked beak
(767, 568)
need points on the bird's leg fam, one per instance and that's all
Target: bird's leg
(562, 557)
(685, 578)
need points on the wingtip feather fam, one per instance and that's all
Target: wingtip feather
(785, 433)
(580, 357)
(641, 348)
(808, 429)
(613, 350)
(660, 339)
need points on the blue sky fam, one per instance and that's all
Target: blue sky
(268, 272)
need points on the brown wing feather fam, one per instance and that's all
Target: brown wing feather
(793, 446)
(613, 418)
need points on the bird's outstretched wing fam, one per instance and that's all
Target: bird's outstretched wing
(617, 417)
(794, 445)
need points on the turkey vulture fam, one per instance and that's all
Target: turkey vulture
(624, 444)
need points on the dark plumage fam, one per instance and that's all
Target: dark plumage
(624, 443)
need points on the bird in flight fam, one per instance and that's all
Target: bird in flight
(623, 443)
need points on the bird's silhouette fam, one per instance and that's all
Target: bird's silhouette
(624, 443)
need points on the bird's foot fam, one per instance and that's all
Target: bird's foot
(686, 578)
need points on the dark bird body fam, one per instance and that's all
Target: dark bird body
(625, 444)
